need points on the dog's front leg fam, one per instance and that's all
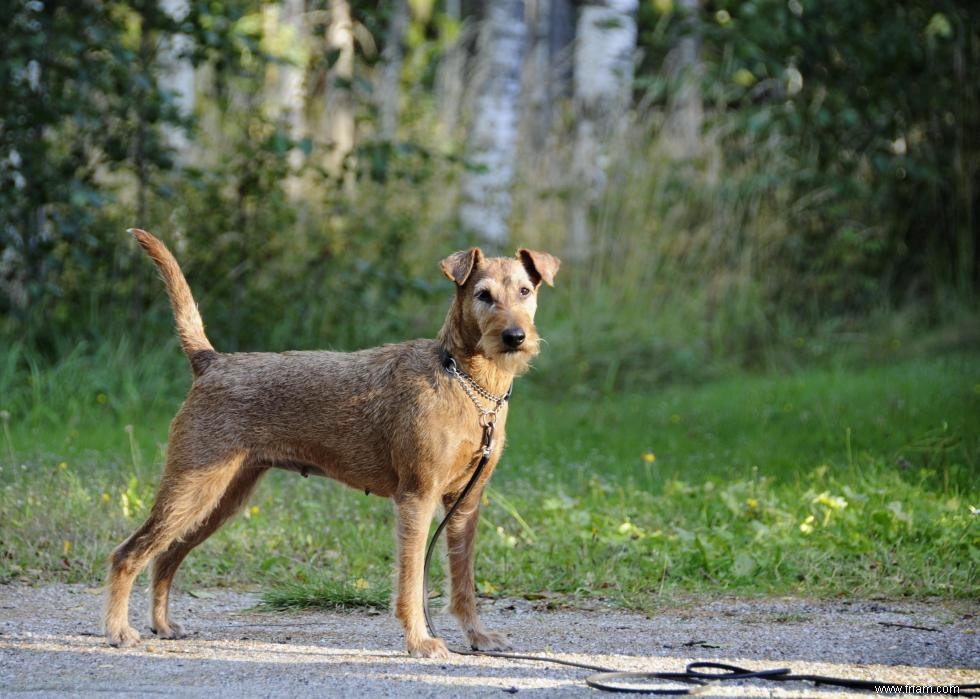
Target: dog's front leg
(414, 516)
(460, 537)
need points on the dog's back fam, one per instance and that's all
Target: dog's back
(348, 414)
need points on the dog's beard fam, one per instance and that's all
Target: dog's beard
(512, 361)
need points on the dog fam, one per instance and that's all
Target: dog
(402, 421)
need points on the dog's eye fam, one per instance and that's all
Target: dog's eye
(525, 291)
(485, 296)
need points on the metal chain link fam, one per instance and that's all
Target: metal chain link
(487, 416)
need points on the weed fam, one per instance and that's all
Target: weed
(326, 593)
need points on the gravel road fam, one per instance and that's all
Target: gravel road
(50, 646)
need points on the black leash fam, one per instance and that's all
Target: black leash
(696, 675)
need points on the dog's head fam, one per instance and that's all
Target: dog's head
(497, 298)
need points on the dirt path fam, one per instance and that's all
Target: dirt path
(49, 645)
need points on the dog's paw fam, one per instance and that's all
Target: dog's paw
(428, 648)
(172, 630)
(488, 640)
(123, 637)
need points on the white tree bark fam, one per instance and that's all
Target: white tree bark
(291, 75)
(492, 143)
(605, 46)
(339, 102)
(177, 73)
(287, 32)
(684, 66)
(389, 90)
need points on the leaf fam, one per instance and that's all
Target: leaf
(744, 565)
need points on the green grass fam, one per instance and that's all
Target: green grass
(820, 482)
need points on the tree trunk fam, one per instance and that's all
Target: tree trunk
(290, 75)
(605, 44)
(536, 104)
(561, 40)
(177, 74)
(339, 102)
(389, 91)
(548, 70)
(492, 143)
(684, 67)
(287, 97)
(451, 74)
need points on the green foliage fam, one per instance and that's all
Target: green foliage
(832, 203)
(859, 126)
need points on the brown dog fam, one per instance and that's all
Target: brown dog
(392, 421)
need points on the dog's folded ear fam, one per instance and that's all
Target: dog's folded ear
(540, 266)
(460, 265)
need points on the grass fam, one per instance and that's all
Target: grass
(818, 482)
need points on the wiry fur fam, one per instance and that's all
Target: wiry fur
(387, 420)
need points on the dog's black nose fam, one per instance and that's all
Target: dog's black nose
(513, 337)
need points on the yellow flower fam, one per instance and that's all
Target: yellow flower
(65, 547)
(752, 503)
(807, 525)
(253, 510)
(488, 588)
(361, 584)
(63, 466)
(649, 457)
(106, 498)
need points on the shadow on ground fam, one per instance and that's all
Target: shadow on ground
(50, 645)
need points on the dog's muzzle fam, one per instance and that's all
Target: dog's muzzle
(513, 338)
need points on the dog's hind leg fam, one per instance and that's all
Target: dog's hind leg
(186, 496)
(166, 564)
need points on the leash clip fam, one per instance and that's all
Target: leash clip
(486, 444)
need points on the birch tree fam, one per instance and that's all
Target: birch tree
(492, 142)
(684, 67)
(451, 73)
(177, 72)
(290, 97)
(548, 67)
(339, 106)
(605, 45)
(389, 89)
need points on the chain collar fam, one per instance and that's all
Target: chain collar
(475, 392)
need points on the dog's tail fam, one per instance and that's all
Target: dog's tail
(190, 327)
